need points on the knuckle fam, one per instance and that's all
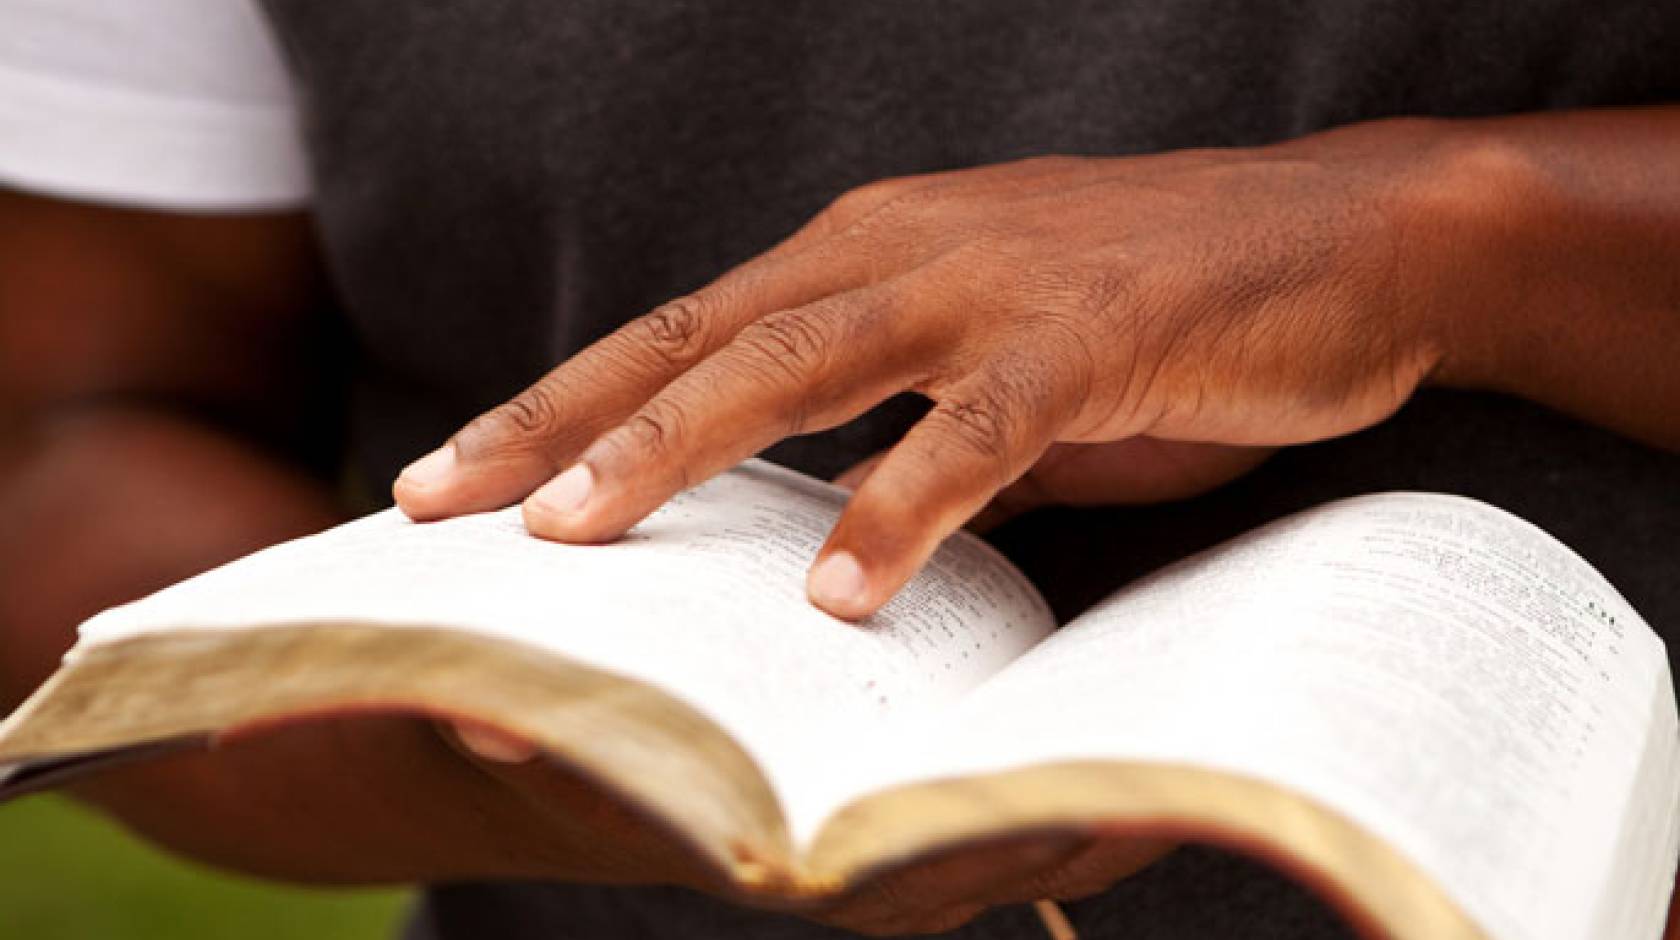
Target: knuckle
(861, 200)
(657, 429)
(534, 412)
(793, 343)
(1067, 315)
(676, 330)
(797, 360)
(1023, 383)
(975, 423)
(653, 437)
(911, 203)
(531, 417)
(890, 213)
(999, 413)
(1065, 368)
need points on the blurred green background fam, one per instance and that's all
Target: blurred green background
(69, 874)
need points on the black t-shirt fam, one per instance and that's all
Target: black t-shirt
(500, 182)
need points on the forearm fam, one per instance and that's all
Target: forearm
(219, 315)
(120, 331)
(1547, 251)
(104, 504)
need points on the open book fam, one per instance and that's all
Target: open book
(1427, 708)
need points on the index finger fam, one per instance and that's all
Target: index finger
(793, 372)
(504, 454)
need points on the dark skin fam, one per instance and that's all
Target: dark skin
(111, 489)
(1091, 330)
(101, 309)
(1216, 300)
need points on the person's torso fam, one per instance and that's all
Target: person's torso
(499, 182)
(502, 181)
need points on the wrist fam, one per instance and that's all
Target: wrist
(1474, 213)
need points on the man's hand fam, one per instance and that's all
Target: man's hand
(105, 315)
(1247, 297)
(1255, 297)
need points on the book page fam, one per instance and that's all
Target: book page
(1442, 673)
(705, 599)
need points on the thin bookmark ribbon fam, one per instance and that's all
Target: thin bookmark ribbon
(1055, 922)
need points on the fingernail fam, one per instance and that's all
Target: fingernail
(837, 583)
(566, 493)
(434, 469)
(493, 745)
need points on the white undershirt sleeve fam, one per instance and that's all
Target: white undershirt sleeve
(172, 104)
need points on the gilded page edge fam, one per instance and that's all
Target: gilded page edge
(659, 755)
(1382, 893)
